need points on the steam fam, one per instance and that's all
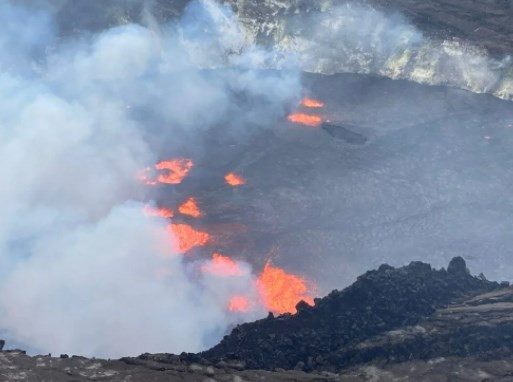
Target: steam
(356, 38)
(83, 270)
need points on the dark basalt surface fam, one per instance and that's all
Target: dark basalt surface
(344, 133)
(392, 323)
(318, 337)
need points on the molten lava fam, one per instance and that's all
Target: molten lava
(157, 212)
(312, 120)
(188, 237)
(190, 208)
(313, 103)
(234, 180)
(238, 304)
(175, 170)
(222, 266)
(281, 291)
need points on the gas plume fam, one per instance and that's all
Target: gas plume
(84, 270)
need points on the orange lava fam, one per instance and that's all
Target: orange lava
(238, 304)
(281, 291)
(188, 237)
(222, 266)
(234, 180)
(158, 212)
(305, 119)
(175, 170)
(190, 208)
(313, 103)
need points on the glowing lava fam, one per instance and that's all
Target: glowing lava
(158, 212)
(313, 103)
(238, 304)
(281, 291)
(222, 266)
(188, 237)
(175, 170)
(234, 180)
(305, 119)
(190, 208)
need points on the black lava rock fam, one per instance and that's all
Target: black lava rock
(378, 301)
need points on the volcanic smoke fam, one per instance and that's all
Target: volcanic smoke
(165, 213)
(238, 304)
(222, 266)
(92, 256)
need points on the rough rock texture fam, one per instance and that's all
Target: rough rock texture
(317, 337)
(406, 324)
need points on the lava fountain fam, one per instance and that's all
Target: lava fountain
(281, 291)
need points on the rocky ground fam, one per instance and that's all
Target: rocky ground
(407, 324)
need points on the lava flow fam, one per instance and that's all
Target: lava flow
(188, 237)
(312, 103)
(234, 180)
(176, 170)
(190, 208)
(281, 291)
(311, 120)
(171, 171)
(222, 266)
(158, 212)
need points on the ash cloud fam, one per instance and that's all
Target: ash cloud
(83, 271)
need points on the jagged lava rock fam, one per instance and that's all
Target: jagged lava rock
(378, 301)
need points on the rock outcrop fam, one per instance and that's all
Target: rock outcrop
(392, 323)
(319, 337)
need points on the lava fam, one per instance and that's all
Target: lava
(175, 170)
(312, 103)
(238, 304)
(188, 237)
(234, 180)
(312, 120)
(158, 212)
(281, 291)
(222, 266)
(190, 208)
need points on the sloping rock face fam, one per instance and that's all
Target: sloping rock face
(318, 337)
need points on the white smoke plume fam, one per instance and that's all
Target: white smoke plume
(83, 271)
(356, 38)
